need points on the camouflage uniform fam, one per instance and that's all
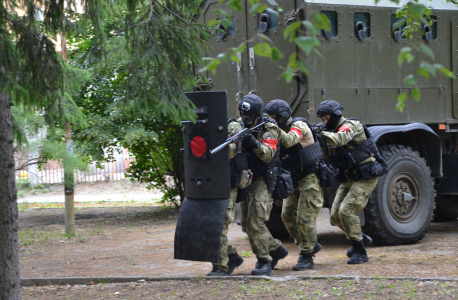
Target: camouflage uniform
(351, 196)
(226, 248)
(301, 209)
(256, 209)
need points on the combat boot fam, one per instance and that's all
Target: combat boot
(234, 261)
(278, 254)
(304, 262)
(218, 272)
(263, 268)
(367, 242)
(316, 249)
(359, 255)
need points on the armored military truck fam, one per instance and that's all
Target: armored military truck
(360, 71)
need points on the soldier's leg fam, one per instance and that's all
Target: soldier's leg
(259, 207)
(310, 204)
(226, 249)
(243, 214)
(356, 200)
(342, 192)
(288, 214)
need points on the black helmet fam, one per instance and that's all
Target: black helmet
(329, 107)
(333, 108)
(252, 104)
(251, 108)
(281, 109)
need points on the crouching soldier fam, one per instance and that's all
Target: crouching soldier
(300, 154)
(353, 152)
(264, 157)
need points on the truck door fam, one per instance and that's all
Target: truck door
(229, 76)
(264, 74)
(454, 39)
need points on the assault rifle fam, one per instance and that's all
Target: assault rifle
(318, 127)
(238, 138)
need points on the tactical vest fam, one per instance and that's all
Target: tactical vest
(259, 167)
(237, 164)
(345, 158)
(296, 157)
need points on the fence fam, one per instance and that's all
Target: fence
(52, 172)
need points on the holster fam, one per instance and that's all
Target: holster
(271, 179)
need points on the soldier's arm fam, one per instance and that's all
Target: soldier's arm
(233, 128)
(343, 136)
(294, 136)
(269, 143)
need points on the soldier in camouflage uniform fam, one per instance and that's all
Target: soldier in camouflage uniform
(228, 257)
(352, 153)
(300, 154)
(262, 146)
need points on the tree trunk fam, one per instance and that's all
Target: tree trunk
(10, 279)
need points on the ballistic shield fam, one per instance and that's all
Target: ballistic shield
(207, 180)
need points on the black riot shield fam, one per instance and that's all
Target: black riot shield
(207, 182)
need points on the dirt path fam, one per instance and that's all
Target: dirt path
(134, 241)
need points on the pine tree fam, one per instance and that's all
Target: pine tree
(162, 45)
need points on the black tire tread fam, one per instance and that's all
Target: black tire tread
(373, 223)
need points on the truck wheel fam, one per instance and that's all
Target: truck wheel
(446, 208)
(400, 209)
(275, 224)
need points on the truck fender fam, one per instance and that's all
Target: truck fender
(418, 136)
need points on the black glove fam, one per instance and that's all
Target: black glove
(249, 142)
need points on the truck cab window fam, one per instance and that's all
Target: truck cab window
(267, 21)
(362, 25)
(332, 17)
(430, 30)
(397, 25)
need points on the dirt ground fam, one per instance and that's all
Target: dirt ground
(137, 240)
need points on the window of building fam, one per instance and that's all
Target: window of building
(430, 31)
(267, 20)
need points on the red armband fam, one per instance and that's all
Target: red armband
(344, 128)
(296, 130)
(271, 143)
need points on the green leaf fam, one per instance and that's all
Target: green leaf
(288, 75)
(263, 49)
(292, 61)
(220, 12)
(272, 2)
(416, 93)
(416, 10)
(410, 80)
(405, 55)
(401, 102)
(304, 68)
(240, 48)
(272, 11)
(234, 4)
(213, 22)
(429, 68)
(423, 72)
(321, 21)
(291, 29)
(222, 56)
(426, 50)
(445, 71)
(306, 43)
(311, 27)
(235, 58)
(258, 7)
(276, 55)
(226, 23)
(265, 38)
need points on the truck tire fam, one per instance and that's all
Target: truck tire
(446, 208)
(391, 219)
(275, 224)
